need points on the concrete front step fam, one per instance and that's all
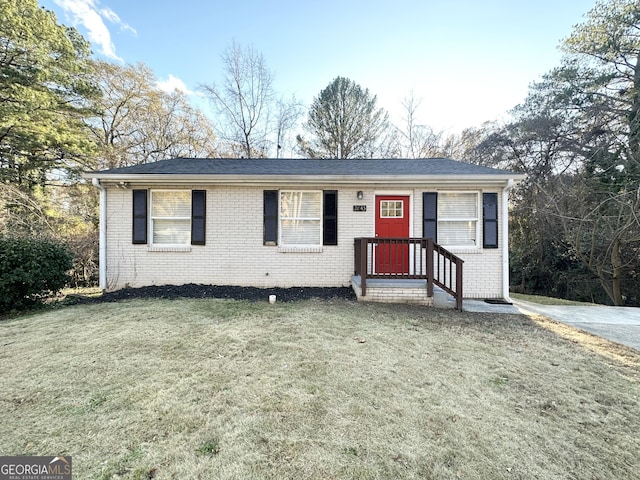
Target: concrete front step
(392, 291)
(412, 291)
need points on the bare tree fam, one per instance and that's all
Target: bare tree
(414, 139)
(601, 227)
(472, 145)
(288, 112)
(23, 213)
(138, 123)
(243, 100)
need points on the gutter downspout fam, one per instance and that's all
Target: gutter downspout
(102, 256)
(505, 240)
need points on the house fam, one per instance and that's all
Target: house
(300, 222)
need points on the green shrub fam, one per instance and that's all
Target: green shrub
(30, 269)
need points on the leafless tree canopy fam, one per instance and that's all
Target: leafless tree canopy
(243, 100)
(414, 138)
(138, 123)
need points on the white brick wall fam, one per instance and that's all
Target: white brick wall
(234, 253)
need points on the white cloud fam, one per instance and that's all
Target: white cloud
(173, 83)
(86, 13)
(110, 15)
(114, 18)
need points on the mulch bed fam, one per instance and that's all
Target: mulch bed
(217, 291)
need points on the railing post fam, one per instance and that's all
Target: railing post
(429, 267)
(459, 285)
(364, 262)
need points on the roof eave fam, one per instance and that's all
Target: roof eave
(257, 180)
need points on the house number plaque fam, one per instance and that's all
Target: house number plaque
(359, 208)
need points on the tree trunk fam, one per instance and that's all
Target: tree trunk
(616, 281)
(634, 124)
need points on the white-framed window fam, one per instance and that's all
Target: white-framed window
(458, 224)
(170, 217)
(300, 218)
(391, 209)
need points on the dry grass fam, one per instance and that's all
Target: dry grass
(319, 390)
(542, 300)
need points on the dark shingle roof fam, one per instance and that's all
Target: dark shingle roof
(327, 167)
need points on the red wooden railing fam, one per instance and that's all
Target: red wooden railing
(409, 258)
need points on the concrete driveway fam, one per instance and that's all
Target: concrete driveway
(619, 324)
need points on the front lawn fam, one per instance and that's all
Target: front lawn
(318, 389)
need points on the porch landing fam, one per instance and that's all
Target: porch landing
(413, 291)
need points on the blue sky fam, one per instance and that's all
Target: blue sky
(468, 61)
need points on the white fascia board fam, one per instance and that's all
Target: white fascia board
(258, 180)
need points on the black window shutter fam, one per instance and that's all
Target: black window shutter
(139, 228)
(330, 218)
(270, 217)
(198, 216)
(430, 215)
(490, 220)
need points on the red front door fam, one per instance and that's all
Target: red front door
(392, 221)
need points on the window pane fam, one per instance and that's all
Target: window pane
(300, 218)
(301, 232)
(391, 209)
(172, 232)
(301, 204)
(457, 233)
(171, 204)
(171, 217)
(457, 205)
